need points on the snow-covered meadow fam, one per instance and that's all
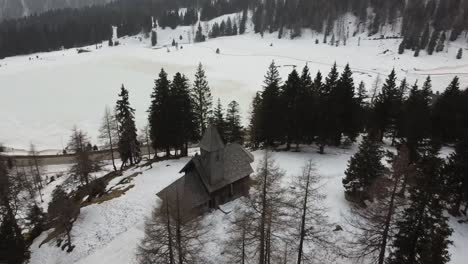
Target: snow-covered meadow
(44, 95)
(109, 232)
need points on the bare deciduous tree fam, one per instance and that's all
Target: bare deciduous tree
(376, 223)
(109, 133)
(172, 236)
(313, 229)
(36, 170)
(84, 165)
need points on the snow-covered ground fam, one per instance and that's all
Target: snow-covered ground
(44, 95)
(110, 232)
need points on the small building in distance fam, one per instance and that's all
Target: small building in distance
(221, 173)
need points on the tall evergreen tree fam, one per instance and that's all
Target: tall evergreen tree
(387, 109)
(363, 169)
(290, 93)
(182, 114)
(272, 130)
(423, 232)
(456, 173)
(433, 42)
(202, 100)
(234, 131)
(255, 132)
(160, 119)
(447, 114)
(128, 145)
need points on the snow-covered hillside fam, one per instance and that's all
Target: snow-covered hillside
(63, 88)
(109, 232)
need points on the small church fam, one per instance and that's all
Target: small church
(219, 174)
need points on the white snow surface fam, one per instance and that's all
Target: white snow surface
(44, 95)
(110, 232)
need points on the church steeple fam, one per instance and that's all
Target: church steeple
(211, 140)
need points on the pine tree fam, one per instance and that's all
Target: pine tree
(290, 93)
(433, 42)
(128, 145)
(64, 210)
(228, 31)
(235, 30)
(272, 130)
(36, 221)
(199, 37)
(219, 120)
(345, 106)
(234, 128)
(160, 115)
(363, 169)
(441, 43)
(202, 100)
(460, 54)
(255, 133)
(416, 51)
(154, 39)
(401, 47)
(182, 114)
(243, 22)
(424, 38)
(329, 132)
(307, 103)
(416, 123)
(447, 113)
(456, 173)
(387, 109)
(423, 231)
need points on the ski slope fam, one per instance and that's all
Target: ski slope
(44, 95)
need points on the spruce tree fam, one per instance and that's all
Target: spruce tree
(447, 114)
(387, 109)
(332, 96)
(423, 231)
(433, 42)
(243, 22)
(289, 100)
(416, 122)
(271, 126)
(363, 169)
(160, 119)
(255, 132)
(401, 47)
(460, 54)
(154, 39)
(202, 100)
(199, 37)
(234, 131)
(307, 107)
(229, 29)
(128, 145)
(346, 106)
(182, 114)
(456, 173)
(424, 38)
(441, 43)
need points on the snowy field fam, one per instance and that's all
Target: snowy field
(44, 95)
(108, 233)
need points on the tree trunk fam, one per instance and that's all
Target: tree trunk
(171, 252)
(261, 256)
(303, 218)
(388, 221)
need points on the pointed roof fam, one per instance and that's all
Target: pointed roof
(211, 140)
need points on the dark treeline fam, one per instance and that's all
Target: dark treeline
(426, 24)
(334, 111)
